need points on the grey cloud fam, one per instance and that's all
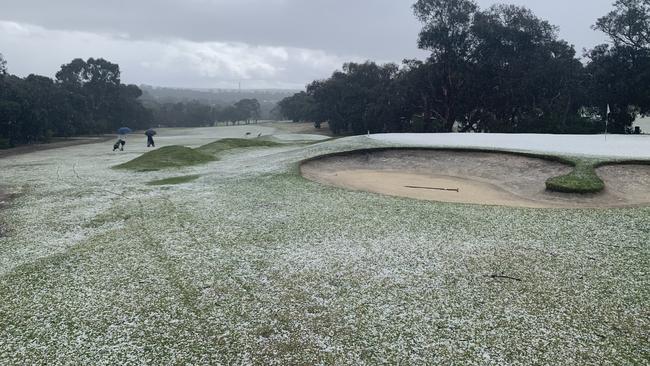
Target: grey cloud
(206, 42)
(381, 29)
(170, 63)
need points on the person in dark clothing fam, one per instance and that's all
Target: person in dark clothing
(150, 134)
(121, 141)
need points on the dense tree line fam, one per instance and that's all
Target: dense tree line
(221, 98)
(496, 70)
(299, 107)
(198, 114)
(86, 97)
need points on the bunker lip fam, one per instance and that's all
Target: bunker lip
(481, 177)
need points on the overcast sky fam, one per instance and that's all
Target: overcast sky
(218, 43)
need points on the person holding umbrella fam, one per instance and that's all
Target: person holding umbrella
(121, 138)
(150, 134)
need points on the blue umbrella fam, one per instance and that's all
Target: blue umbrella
(150, 132)
(124, 130)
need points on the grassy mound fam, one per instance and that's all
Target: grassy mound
(583, 179)
(229, 144)
(167, 157)
(180, 156)
(174, 180)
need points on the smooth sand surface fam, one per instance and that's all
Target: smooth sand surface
(427, 187)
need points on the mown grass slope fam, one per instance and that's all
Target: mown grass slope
(181, 156)
(229, 144)
(167, 157)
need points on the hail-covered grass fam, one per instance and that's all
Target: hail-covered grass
(591, 146)
(252, 264)
(174, 180)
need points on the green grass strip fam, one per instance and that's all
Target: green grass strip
(583, 179)
(174, 180)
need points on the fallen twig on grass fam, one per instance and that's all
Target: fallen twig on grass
(622, 247)
(495, 276)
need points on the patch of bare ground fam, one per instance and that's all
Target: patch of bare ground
(475, 177)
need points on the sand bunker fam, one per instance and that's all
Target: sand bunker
(474, 177)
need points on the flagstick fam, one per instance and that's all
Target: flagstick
(606, 123)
